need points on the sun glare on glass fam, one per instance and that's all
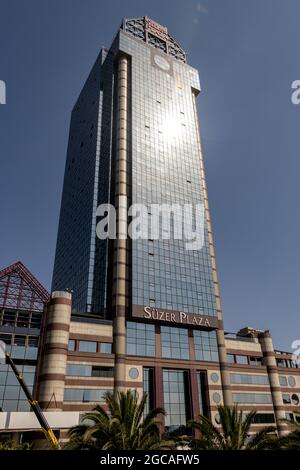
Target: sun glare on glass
(171, 127)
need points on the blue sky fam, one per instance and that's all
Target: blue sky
(247, 54)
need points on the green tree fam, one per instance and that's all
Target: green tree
(123, 427)
(9, 444)
(234, 432)
(292, 439)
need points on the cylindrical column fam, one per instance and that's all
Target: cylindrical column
(226, 387)
(227, 395)
(267, 347)
(120, 249)
(53, 369)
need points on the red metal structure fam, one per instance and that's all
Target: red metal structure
(19, 289)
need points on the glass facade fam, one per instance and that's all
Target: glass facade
(206, 346)
(140, 339)
(164, 169)
(174, 342)
(81, 258)
(175, 398)
(12, 398)
(148, 386)
(22, 301)
(202, 393)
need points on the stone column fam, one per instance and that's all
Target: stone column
(52, 376)
(120, 249)
(267, 348)
(226, 387)
(227, 395)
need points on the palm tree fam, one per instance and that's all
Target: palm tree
(12, 445)
(122, 427)
(234, 432)
(292, 439)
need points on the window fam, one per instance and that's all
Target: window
(281, 363)
(202, 393)
(6, 338)
(283, 381)
(9, 318)
(31, 353)
(73, 394)
(23, 319)
(230, 358)
(148, 385)
(249, 379)
(241, 359)
(105, 348)
(286, 398)
(18, 352)
(206, 347)
(252, 398)
(10, 405)
(102, 371)
(33, 341)
(78, 370)
(2, 378)
(87, 346)
(11, 392)
(255, 361)
(23, 405)
(290, 363)
(93, 395)
(35, 320)
(261, 418)
(289, 416)
(291, 381)
(11, 379)
(19, 340)
(71, 346)
(175, 394)
(29, 378)
(84, 395)
(82, 370)
(295, 399)
(174, 342)
(293, 364)
(140, 339)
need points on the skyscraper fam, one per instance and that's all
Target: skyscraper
(163, 166)
(134, 133)
(146, 312)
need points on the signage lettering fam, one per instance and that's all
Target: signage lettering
(156, 314)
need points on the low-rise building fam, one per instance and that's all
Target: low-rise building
(178, 367)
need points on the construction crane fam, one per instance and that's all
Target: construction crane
(34, 404)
